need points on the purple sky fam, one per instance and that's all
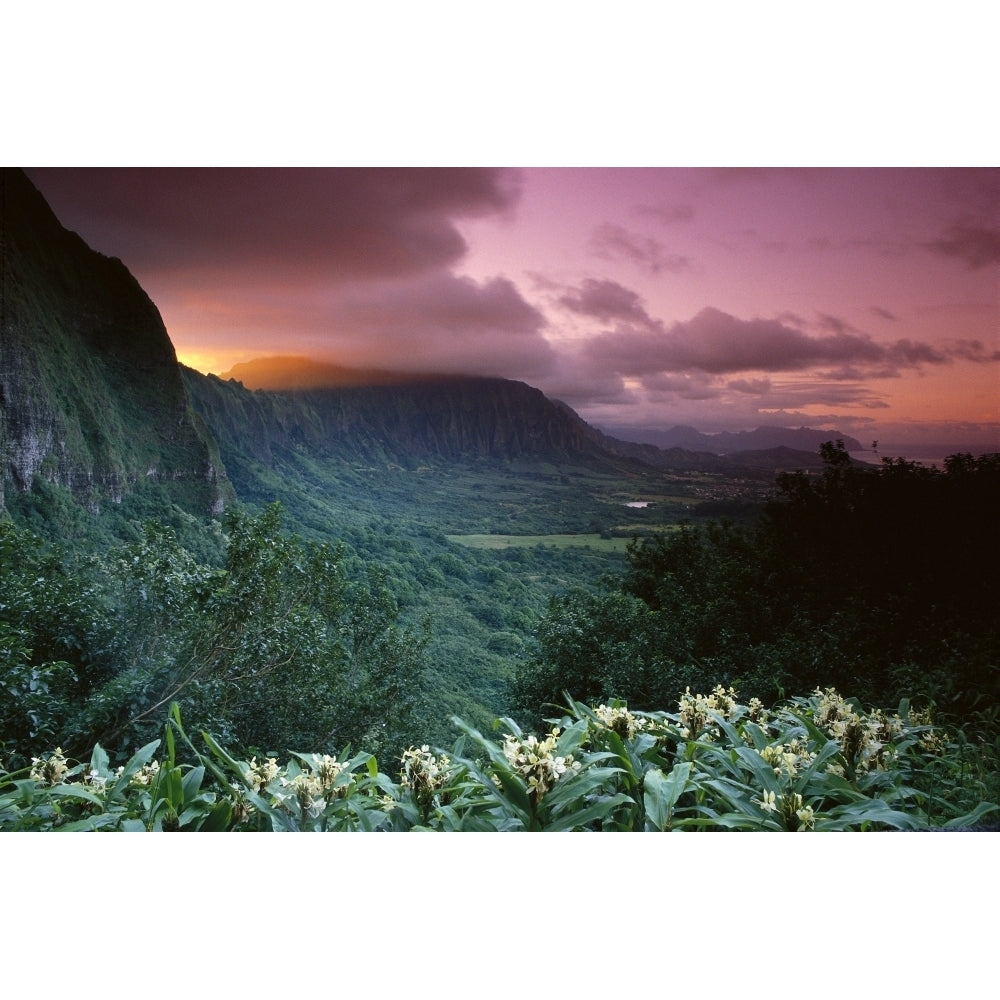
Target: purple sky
(866, 300)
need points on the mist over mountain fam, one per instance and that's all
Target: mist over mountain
(91, 397)
(284, 372)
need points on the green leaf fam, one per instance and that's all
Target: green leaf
(969, 819)
(661, 792)
(515, 792)
(175, 715)
(571, 738)
(75, 792)
(191, 784)
(281, 820)
(236, 769)
(218, 820)
(579, 819)
(136, 762)
(171, 787)
(95, 822)
(587, 781)
(99, 761)
(861, 814)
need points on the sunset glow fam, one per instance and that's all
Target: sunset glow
(865, 301)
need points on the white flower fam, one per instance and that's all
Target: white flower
(767, 803)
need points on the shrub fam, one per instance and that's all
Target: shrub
(815, 763)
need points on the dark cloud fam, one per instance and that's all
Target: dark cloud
(614, 242)
(977, 246)
(909, 354)
(883, 313)
(714, 341)
(445, 323)
(792, 319)
(666, 386)
(835, 324)
(444, 303)
(337, 224)
(718, 343)
(972, 350)
(761, 175)
(578, 383)
(823, 392)
(607, 301)
(752, 387)
(353, 266)
(850, 373)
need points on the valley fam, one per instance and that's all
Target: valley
(475, 549)
(473, 501)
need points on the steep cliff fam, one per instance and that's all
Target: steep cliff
(276, 443)
(91, 396)
(446, 419)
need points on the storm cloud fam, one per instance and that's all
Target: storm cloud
(445, 324)
(716, 342)
(337, 225)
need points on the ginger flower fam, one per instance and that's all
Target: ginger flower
(537, 763)
(260, 775)
(50, 771)
(766, 802)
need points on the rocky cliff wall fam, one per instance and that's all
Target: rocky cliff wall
(91, 396)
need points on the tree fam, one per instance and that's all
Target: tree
(879, 580)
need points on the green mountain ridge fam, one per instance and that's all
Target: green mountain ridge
(91, 392)
(408, 423)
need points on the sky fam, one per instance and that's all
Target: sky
(861, 300)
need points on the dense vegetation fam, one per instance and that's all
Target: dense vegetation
(817, 763)
(274, 644)
(872, 581)
(881, 581)
(92, 398)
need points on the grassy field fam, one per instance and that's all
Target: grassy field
(593, 541)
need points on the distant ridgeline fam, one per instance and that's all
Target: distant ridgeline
(409, 424)
(91, 397)
(93, 400)
(728, 443)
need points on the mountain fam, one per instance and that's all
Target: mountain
(91, 396)
(803, 439)
(437, 420)
(517, 421)
(408, 421)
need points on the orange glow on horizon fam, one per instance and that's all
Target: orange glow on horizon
(211, 362)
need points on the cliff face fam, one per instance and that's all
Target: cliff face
(91, 396)
(448, 419)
